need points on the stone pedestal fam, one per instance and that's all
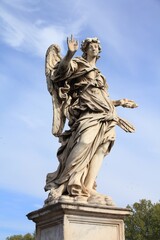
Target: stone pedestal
(78, 221)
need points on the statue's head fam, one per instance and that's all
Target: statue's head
(86, 44)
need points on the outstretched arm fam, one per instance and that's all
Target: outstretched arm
(125, 103)
(72, 48)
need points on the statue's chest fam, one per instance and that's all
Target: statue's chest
(96, 78)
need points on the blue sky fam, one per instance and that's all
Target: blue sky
(130, 37)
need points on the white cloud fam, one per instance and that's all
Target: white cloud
(28, 147)
(22, 5)
(27, 36)
(28, 153)
(26, 163)
(35, 36)
(129, 31)
(32, 153)
(127, 173)
(29, 121)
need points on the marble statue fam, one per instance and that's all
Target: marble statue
(80, 94)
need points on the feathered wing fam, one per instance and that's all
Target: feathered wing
(52, 58)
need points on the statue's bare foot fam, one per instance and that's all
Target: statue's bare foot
(93, 192)
(80, 199)
(99, 198)
(109, 201)
(54, 194)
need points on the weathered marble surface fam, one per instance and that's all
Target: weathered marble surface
(80, 94)
(77, 221)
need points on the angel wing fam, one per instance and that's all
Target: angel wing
(52, 58)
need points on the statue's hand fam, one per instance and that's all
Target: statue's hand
(72, 44)
(128, 103)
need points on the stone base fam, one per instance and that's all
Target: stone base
(79, 221)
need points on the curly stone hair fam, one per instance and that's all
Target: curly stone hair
(85, 44)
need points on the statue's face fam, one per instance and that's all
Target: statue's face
(93, 50)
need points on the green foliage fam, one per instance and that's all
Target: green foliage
(144, 223)
(27, 236)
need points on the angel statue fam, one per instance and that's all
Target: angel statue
(80, 94)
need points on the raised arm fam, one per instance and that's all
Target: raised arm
(72, 48)
(125, 103)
